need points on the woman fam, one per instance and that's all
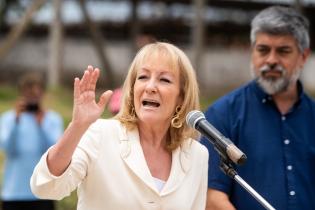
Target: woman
(145, 158)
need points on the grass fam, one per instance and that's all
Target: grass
(60, 100)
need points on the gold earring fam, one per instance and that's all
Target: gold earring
(175, 120)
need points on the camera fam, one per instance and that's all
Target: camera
(32, 107)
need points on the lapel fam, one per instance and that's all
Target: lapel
(132, 154)
(181, 163)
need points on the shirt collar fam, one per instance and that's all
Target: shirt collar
(260, 93)
(264, 97)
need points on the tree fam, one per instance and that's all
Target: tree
(56, 53)
(198, 34)
(18, 30)
(99, 45)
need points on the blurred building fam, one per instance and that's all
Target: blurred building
(224, 62)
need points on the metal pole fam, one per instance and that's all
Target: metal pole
(251, 191)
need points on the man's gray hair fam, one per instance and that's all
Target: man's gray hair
(280, 20)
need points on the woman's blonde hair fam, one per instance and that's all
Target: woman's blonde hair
(189, 91)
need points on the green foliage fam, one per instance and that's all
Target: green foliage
(205, 102)
(7, 93)
(7, 97)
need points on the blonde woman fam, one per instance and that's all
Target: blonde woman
(145, 158)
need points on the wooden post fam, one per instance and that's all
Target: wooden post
(198, 34)
(134, 24)
(56, 51)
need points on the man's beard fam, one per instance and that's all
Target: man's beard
(274, 85)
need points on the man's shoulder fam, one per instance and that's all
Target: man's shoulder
(311, 99)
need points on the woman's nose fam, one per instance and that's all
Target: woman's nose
(151, 86)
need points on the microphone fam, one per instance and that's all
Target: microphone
(223, 145)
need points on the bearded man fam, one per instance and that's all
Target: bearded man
(271, 119)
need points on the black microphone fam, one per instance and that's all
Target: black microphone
(223, 145)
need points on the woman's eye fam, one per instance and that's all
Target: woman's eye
(165, 80)
(142, 77)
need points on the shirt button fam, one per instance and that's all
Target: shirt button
(289, 167)
(283, 118)
(264, 100)
(292, 192)
(287, 141)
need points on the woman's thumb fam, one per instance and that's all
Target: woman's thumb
(105, 98)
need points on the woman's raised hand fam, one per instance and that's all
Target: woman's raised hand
(85, 108)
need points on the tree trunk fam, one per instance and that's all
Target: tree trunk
(4, 5)
(99, 45)
(198, 34)
(56, 51)
(18, 30)
(135, 27)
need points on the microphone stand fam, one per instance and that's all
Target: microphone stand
(227, 168)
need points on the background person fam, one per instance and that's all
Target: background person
(26, 132)
(270, 119)
(145, 158)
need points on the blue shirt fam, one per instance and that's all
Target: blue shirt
(24, 143)
(280, 149)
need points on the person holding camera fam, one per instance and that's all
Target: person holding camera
(26, 132)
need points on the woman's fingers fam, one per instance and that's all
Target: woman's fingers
(90, 70)
(84, 81)
(89, 79)
(104, 99)
(88, 83)
(94, 77)
(76, 89)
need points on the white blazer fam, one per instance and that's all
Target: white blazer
(110, 172)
